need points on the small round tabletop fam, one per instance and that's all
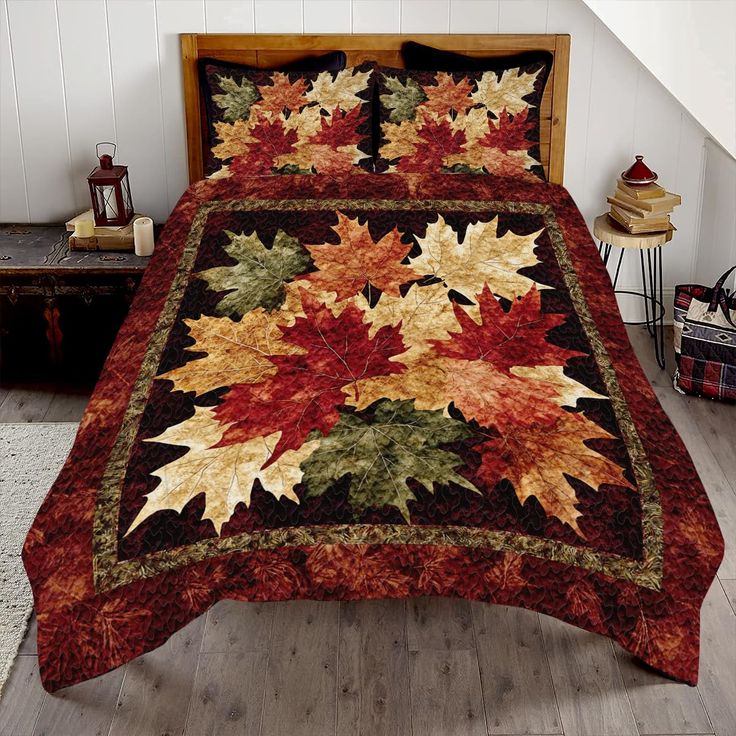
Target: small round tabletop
(605, 231)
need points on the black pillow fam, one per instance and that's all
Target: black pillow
(332, 61)
(425, 58)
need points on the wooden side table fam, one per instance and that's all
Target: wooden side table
(609, 236)
(60, 310)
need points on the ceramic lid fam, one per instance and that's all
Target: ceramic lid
(639, 173)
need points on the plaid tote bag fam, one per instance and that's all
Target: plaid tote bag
(705, 340)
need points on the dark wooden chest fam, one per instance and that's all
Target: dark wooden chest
(59, 310)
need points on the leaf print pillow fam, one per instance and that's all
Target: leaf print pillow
(287, 122)
(479, 122)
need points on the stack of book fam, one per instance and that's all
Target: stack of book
(100, 238)
(642, 209)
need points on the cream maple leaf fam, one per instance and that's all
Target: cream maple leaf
(339, 92)
(474, 124)
(567, 389)
(237, 352)
(482, 258)
(221, 173)
(224, 474)
(425, 312)
(508, 93)
(306, 122)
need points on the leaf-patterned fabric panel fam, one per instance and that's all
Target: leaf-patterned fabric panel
(461, 122)
(340, 356)
(269, 122)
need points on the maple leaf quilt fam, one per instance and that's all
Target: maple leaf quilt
(375, 386)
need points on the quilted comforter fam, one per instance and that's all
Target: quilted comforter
(381, 386)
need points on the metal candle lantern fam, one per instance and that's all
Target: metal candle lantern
(110, 190)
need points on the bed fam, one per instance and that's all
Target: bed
(365, 386)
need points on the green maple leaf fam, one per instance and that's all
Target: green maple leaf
(381, 454)
(257, 279)
(403, 100)
(237, 99)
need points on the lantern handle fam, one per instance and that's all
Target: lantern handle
(106, 143)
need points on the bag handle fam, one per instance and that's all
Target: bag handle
(719, 298)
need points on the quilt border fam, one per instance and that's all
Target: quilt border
(109, 572)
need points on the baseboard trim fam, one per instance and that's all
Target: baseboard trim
(632, 309)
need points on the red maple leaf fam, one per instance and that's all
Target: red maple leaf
(282, 93)
(272, 141)
(340, 128)
(448, 95)
(506, 339)
(437, 141)
(307, 389)
(510, 135)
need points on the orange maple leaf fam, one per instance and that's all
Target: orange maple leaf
(357, 260)
(539, 459)
(447, 94)
(281, 94)
(494, 399)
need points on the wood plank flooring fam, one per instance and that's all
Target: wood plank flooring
(400, 668)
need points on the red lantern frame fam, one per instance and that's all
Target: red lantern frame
(109, 190)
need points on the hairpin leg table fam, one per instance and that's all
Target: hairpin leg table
(649, 246)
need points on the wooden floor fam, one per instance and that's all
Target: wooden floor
(422, 667)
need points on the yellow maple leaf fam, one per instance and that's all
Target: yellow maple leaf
(506, 94)
(475, 124)
(236, 139)
(482, 258)
(425, 380)
(567, 390)
(400, 139)
(224, 474)
(425, 313)
(339, 92)
(237, 352)
(306, 122)
(292, 306)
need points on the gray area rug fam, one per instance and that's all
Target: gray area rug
(31, 456)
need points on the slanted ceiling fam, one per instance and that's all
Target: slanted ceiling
(690, 47)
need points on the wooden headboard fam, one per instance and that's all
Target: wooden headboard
(269, 51)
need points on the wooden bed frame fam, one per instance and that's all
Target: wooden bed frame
(269, 51)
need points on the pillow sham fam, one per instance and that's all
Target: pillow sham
(480, 122)
(288, 122)
(332, 61)
(420, 57)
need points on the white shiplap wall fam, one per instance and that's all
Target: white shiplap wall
(74, 72)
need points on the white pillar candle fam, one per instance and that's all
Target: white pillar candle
(108, 201)
(143, 236)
